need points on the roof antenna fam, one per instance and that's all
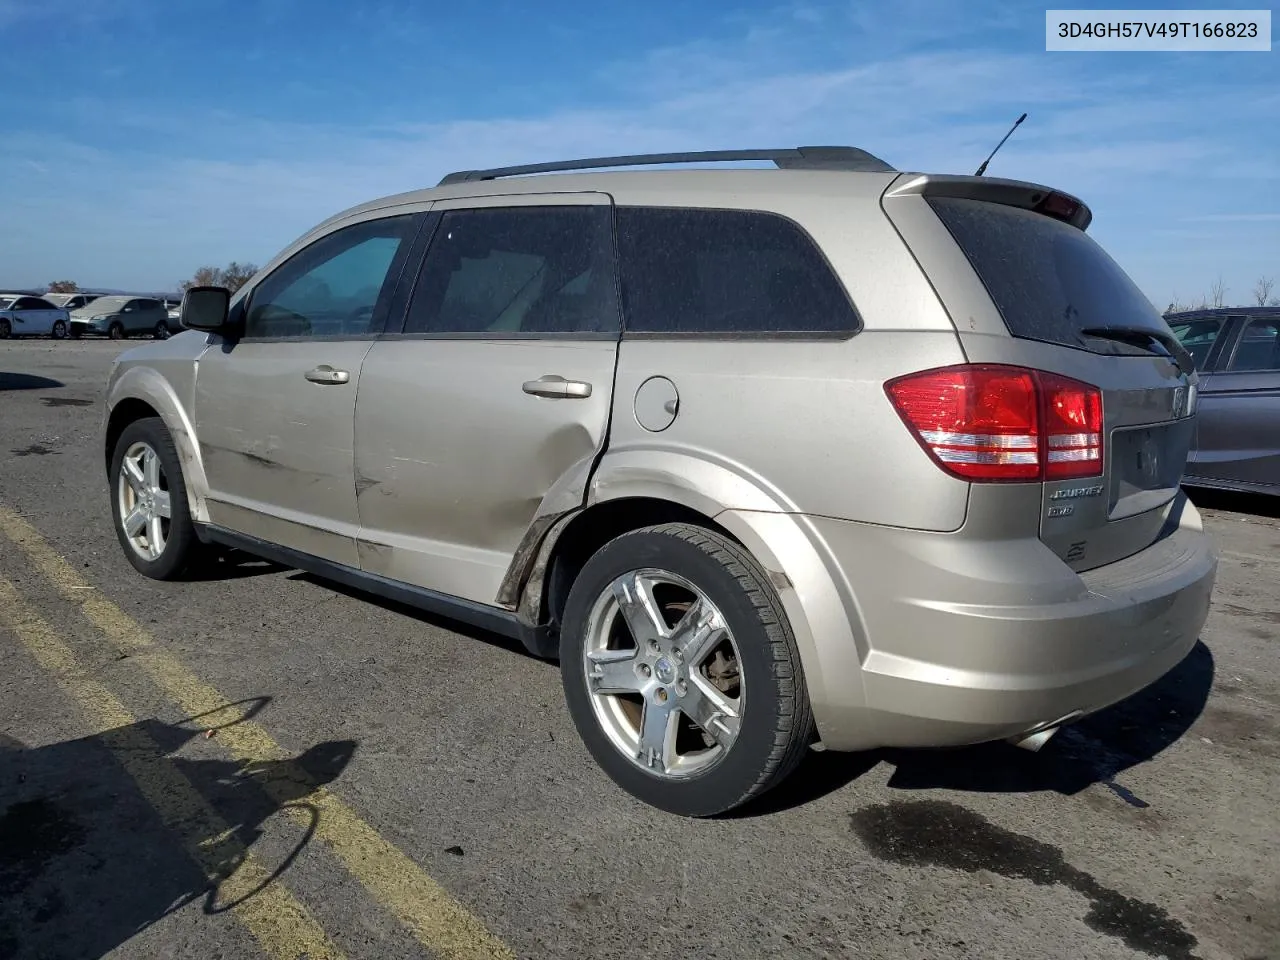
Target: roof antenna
(983, 169)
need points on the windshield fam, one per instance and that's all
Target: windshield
(1049, 280)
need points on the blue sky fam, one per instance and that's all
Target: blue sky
(141, 139)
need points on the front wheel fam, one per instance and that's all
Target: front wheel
(681, 671)
(149, 502)
(162, 331)
(116, 331)
(6, 329)
(59, 331)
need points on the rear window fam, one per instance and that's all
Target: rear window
(1049, 280)
(725, 272)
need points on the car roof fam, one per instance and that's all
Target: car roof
(670, 179)
(1213, 312)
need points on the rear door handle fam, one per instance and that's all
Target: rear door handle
(556, 387)
(326, 374)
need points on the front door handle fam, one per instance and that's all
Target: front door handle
(326, 374)
(556, 387)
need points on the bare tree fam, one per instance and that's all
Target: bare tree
(233, 276)
(1218, 293)
(1262, 290)
(238, 274)
(63, 286)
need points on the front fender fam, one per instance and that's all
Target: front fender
(145, 384)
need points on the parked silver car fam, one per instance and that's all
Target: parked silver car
(27, 316)
(1237, 436)
(120, 317)
(828, 453)
(71, 301)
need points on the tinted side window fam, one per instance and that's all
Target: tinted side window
(1259, 347)
(1199, 336)
(518, 270)
(29, 303)
(332, 287)
(724, 272)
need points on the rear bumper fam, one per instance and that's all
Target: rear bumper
(957, 640)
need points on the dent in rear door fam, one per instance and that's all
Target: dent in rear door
(487, 413)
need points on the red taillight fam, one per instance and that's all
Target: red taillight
(991, 423)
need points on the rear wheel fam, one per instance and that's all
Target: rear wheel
(6, 330)
(681, 671)
(162, 331)
(59, 330)
(149, 502)
(116, 331)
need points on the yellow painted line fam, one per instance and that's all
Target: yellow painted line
(282, 925)
(433, 916)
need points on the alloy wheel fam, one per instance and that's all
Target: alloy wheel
(145, 505)
(663, 675)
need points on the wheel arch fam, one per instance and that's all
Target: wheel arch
(625, 495)
(142, 392)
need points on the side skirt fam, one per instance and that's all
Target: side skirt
(538, 640)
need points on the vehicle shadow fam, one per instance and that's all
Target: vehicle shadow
(230, 565)
(1096, 749)
(1230, 501)
(104, 836)
(27, 381)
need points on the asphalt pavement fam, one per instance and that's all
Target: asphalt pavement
(260, 764)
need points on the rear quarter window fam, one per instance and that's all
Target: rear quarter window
(726, 272)
(1049, 280)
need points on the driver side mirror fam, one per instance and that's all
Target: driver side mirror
(205, 308)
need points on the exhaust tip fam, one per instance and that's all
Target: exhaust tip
(1037, 737)
(1034, 741)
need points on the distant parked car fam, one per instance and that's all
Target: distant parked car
(25, 316)
(71, 301)
(1236, 445)
(120, 317)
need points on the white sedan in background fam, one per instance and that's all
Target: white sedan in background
(25, 316)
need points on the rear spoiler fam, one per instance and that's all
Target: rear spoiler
(1012, 193)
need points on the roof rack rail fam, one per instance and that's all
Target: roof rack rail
(787, 158)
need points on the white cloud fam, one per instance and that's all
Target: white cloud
(1140, 147)
(1235, 218)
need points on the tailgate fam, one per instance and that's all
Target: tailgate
(1025, 285)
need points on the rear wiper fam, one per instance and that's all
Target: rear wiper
(1148, 339)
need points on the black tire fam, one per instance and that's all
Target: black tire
(6, 329)
(777, 725)
(59, 331)
(161, 331)
(116, 331)
(183, 549)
